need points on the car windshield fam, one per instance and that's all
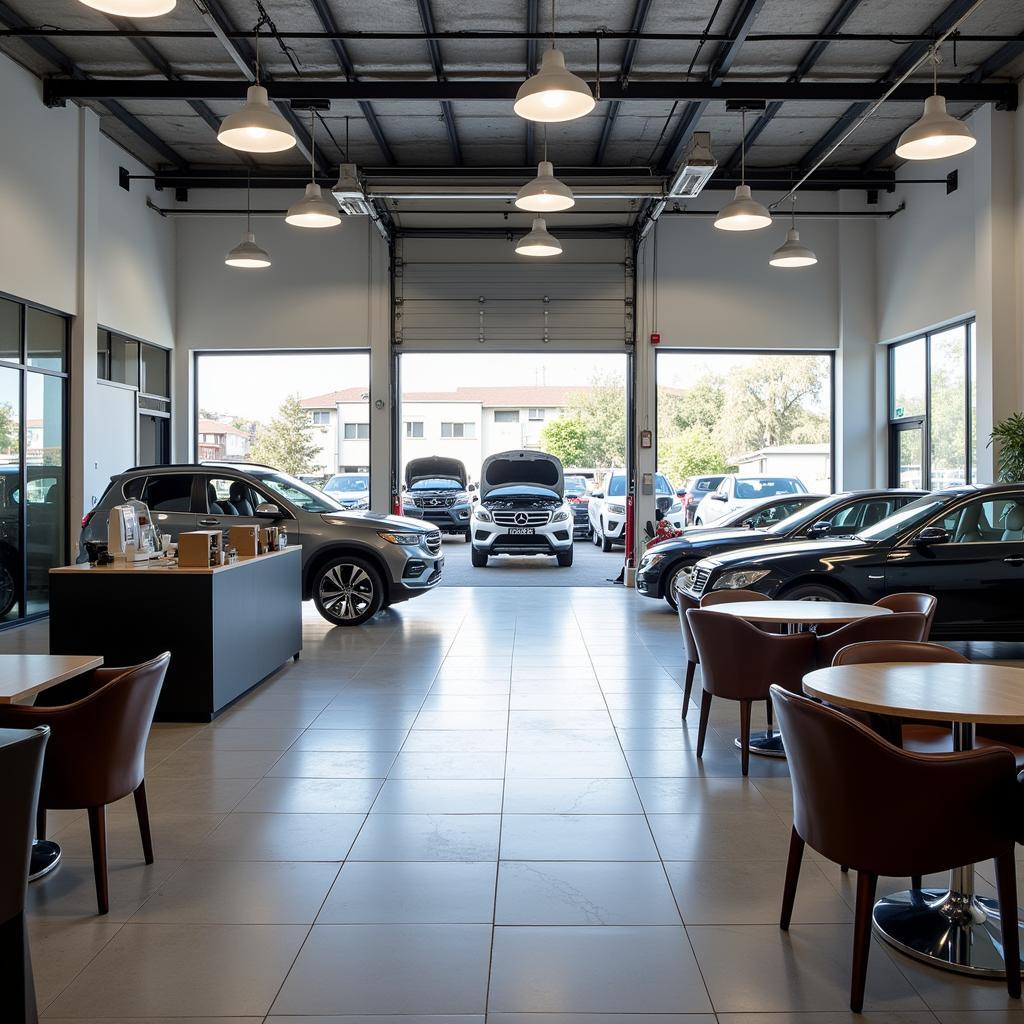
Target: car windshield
(616, 487)
(706, 483)
(808, 514)
(575, 485)
(295, 492)
(662, 486)
(909, 515)
(765, 487)
(348, 483)
(436, 483)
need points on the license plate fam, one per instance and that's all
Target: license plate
(521, 530)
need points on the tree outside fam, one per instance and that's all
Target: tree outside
(286, 442)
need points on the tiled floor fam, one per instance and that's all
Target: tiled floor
(482, 806)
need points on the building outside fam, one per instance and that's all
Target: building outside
(219, 441)
(809, 463)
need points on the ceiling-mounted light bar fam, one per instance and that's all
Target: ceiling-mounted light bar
(698, 166)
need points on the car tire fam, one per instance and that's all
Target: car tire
(594, 539)
(670, 585)
(698, 522)
(8, 591)
(606, 543)
(479, 558)
(564, 558)
(813, 592)
(468, 537)
(347, 591)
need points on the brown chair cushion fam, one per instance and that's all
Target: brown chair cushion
(935, 739)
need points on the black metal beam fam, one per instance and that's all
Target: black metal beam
(726, 53)
(57, 90)
(434, 49)
(640, 12)
(326, 17)
(532, 21)
(809, 59)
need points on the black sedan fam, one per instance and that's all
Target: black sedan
(965, 546)
(839, 515)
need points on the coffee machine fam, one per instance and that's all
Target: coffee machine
(131, 536)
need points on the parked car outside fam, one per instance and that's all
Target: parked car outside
(437, 490)
(522, 508)
(349, 490)
(607, 507)
(736, 491)
(353, 563)
(665, 565)
(577, 494)
(764, 514)
(693, 490)
(964, 545)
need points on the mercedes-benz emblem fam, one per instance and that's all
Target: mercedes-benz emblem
(522, 519)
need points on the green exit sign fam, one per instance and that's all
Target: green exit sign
(899, 411)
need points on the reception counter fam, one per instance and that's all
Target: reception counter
(227, 628)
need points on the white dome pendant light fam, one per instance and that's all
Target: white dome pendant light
(247, 254)
(935, 134)
(132, 8)
(545, 193)
(256, 128)
(792, 253)
(539, 241)
(554, 93)
(743, 213)
(313, 210)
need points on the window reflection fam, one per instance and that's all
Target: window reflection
(10, 493)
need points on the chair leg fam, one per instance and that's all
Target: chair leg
(770, 713)
(796, 856)
(142, 810)
(691, 669)
(40, 822)
(745, 736)
(866, 883)
(705, 712)
(98, 834)
(1006, 887)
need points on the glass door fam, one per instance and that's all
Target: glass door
(908, 454)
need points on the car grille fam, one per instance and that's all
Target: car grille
(522, 518)
(434, 542)
(579, 515)
(434, 502)
(699, 580)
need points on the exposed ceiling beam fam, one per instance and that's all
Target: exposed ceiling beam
(57, 90)
(809, 59)
(640, 12)
(61, 60)
(532, 21)
(723, 60)
(434, 49)
(326, 16)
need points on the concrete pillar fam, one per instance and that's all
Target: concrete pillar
(644, 395)
(378, 340)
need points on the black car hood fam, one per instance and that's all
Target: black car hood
(435, 467)
(766, 555)
(695, 540)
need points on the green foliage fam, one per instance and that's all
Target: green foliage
(567, 440)
(601, 411)
(8, 428)
(1009, 438)
(286, 443)
(690, 453)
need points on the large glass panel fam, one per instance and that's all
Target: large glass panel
(10, 330)
(972, 360)
(44, 492)
(124, 360)
(153, 440)
(908, 379)
(948, 412)
(154, 371)
(10, 493)
(910, 457)
(46, 339)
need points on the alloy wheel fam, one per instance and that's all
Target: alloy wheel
(346, 591)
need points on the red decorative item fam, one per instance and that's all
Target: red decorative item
(656, 338)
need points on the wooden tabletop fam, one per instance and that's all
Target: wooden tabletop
(817, 612)
(24, 675)
(937, 692)
(168, 566)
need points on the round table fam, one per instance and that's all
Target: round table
(952, 928)
(792, 615)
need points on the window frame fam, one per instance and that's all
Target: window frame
(507, 416)
(452, 436)
(316, 421)
(410, 431)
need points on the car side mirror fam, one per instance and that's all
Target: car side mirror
(471, 488)
(822, 528)
(268, 509)
(718, 496)
(598, 494)
(932, 535)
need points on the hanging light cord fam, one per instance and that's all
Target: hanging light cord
(312, 144)
(743, 146)
(248, 202)
(545, 141)
(552, 24)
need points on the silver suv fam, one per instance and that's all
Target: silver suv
(353, 563)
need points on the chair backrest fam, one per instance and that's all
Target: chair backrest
(854, 794)
(730, 597)
(683, 605)
(98, 744)
(1013, 523)
(874, 652)
(740, 661)
(898, 626)
(925, 604)
(21, 768)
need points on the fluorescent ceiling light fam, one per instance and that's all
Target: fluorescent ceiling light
(743, 213)
(554, 93)
(132, 8)
(935, 134)
(545, 194)
(539, 241)
(248, 254)
(792, 253)
(256, 128)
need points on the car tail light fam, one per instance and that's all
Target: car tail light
(88, 515)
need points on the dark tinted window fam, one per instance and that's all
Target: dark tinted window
(45, 339)
(154, 371)
(707, 483)
(10, 330)
(616, 487)
(171, 493)
(133, 488)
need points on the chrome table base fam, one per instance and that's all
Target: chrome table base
(45, 857)
(766, 742)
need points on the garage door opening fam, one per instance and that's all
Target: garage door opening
(305, 413)
(755, 414)
(457, 410)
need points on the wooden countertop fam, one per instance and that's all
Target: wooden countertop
(157, 565)
(24, 675)
(818, 612)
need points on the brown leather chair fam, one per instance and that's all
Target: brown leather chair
(924, 604)
(740, 662)
(898, 626)
(857, 800)
(21, 768)
(96, 753)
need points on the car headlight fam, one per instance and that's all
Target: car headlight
(483, 515)
(560, 516)
(676, 506)
(740, 579)
(408, 501)
(360, 504)
(407, 540)
(649, 562)
(616, 510)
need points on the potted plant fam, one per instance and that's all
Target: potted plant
(1010, 437)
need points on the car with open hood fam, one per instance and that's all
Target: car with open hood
(522, 508)
(349, 490)
(437, 489)
(962, 545)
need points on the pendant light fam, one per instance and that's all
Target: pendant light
(247, 253)
(539, 241)
(792, 253)
(743, 213)
(554, 93)
(132, 8)
(256, 128)
(545, 194)
(313, 210)
(935, 134)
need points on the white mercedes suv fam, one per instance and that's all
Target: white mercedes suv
(522, 508)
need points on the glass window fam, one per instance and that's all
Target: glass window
(10, 331)
(357, 431)
(908, 378)
(986, 522)
(972, 363)
(10, 493)
(124, 360)
(296, 492)
(320, 417)
(155, 375)
(536, 414)
(458, 430)
(506, 415)
(766, 487)
(414, 428)
(170, 493)
(947, 417)
(45, 339)
(226, 496)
